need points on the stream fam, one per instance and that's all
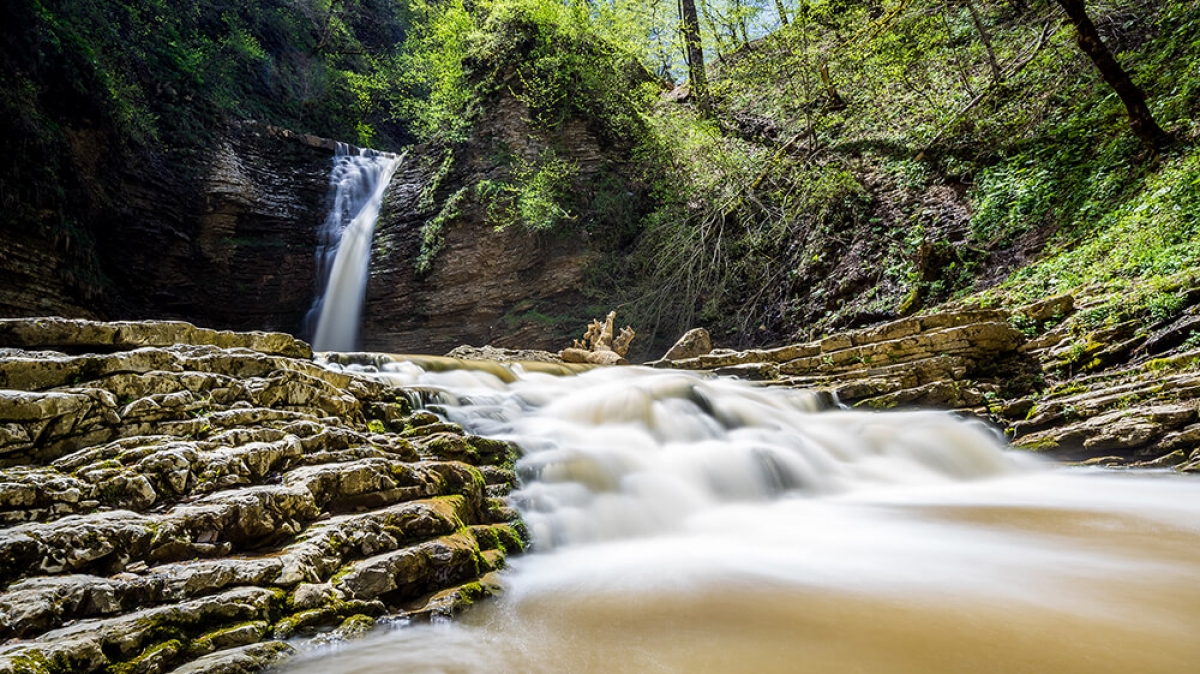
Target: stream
(683, 524)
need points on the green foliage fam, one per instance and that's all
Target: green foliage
(904, 103)
(165, 71)
(866, 159)
(1152, 233)
(460, 60)
(433, 236)
(533, 196)
(432, 93)
(545, 53)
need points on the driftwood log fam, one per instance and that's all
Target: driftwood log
(599, 346)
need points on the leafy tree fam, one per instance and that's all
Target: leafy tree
(695, 51)
(1140, 117)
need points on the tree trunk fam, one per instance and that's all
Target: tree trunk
(782, 12)
(987, 42)
(1089, 40)
(695, 52)
(835, 102)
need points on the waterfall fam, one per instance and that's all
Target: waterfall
(356, 186)
(684, 524)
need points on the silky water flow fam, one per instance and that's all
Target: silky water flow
(683, 524)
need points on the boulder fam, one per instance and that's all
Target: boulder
(694, 343)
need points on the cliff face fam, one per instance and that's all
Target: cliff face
(226, 240)
(243, 255)
(511, 287)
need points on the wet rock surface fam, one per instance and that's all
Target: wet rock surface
(174, 499)
(954, 360)
(223, 238)
(1123, 394)
(491, 353)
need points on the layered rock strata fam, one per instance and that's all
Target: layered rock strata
(444, 273)
(1117, 394)
(1112, 395)
(953, 360)
(177, 499)
(225, 238)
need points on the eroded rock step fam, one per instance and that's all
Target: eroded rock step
(1116, 395)
(1145, 415)
(171, 506)
(954, 359)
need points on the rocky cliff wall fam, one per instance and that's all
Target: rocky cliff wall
(228, 240)
(513, 287)
(242, 254)
(225, 240)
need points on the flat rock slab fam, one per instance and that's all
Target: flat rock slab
(946, 360)
(79, 335)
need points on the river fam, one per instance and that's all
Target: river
(690, 525)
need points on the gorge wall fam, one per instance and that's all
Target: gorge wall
(226, 240)
(511, 287)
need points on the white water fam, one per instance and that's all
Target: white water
(688, 525)
(356, 184)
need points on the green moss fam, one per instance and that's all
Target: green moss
(433, 237)
(311, 618)
(511, 538)
(160, 627)
(1065, 389)
(355, 626)
(1037, 446)
(213, 640)
(486, 537)
(32, 663)
(470, 593)
(880, 403)
(1175, 363)
(341, 573)
(163, 652)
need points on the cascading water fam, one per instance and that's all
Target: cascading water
(356, 185)
(683, 524)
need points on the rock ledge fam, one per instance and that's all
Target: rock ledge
(181, 499)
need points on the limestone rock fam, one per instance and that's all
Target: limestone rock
(186, 503)
(410, 572)
(1048, 309)
(499, 355)
(947, 360)
(692, 344)
(97, 337)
